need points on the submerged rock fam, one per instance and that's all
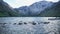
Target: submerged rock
(25, 23)
(20, 24)
(33, 23)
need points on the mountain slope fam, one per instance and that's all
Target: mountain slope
(24, 10)
(54, 11)
(6, 10)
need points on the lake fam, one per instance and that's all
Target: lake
(29, 25)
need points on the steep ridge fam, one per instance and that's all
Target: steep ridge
(6, 10)
(54, 11)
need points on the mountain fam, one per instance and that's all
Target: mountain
(24, 10)
(37, 7)
(6, 10)
(34, 9)
(53, 11)
(41, 8)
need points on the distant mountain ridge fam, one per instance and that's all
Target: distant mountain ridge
(35, 8)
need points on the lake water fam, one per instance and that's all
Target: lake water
(29, 25)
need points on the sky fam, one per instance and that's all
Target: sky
(19, 3)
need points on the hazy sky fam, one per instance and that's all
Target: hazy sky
(19, 3)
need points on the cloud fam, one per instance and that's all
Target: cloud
(53, 0)
(26, 2)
